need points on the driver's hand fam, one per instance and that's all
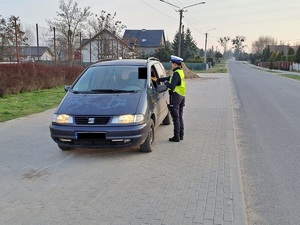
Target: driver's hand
(154, 79)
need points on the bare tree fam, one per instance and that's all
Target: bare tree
(238, 45)
(31, 40)
(263, 41)
(106, 21)
(102, 21)
(69, 23)
(223, 42)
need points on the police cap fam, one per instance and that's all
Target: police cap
(176, 59)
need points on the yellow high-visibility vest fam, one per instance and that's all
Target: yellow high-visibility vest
(181, 90)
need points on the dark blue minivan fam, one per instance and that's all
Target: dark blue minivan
(112, 104)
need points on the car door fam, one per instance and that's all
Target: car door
(162, 98)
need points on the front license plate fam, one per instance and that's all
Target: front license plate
(91, 136)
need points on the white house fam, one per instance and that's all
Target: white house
(105, 45)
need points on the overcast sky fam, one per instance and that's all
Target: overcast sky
(279, 19)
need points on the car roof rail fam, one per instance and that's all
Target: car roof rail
(152, 58)
(104, 60)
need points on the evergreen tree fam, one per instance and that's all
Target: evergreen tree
(163, 54)
(278, 56)
(190, 45)
(297, 58)
(291, 51)
(272, 57)
(266, 54)
(175, 43)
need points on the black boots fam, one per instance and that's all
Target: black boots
(175, 138)
(181, 135)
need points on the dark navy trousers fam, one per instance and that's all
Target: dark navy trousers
(177, 102)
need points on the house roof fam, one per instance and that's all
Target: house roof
(28, 50)
(144, 38)
(86, 41)
(33, 50)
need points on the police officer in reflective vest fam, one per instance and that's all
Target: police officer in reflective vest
(177, 90)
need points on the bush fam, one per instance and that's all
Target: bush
(26, 77)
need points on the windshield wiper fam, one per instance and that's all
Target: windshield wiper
(79, 92)
(111, 91)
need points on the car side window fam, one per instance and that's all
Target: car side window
(160, 70)
(154, 74)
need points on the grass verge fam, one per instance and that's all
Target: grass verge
(291, 76)
(23, 104)
(217, 68)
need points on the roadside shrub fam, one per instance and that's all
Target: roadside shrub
(25, 77)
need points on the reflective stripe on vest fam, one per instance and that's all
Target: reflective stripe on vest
(181, 90)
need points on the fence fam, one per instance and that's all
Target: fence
(295, 67)
(191, 66)
(279, 65)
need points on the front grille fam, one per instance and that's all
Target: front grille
(89, 120)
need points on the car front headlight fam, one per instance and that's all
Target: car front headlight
(62, 119)
(125, 119)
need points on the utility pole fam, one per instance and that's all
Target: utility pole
(16, 37)
(54, 42)
(179, 36)
(206, 44)
(181, 10)
(37, 41)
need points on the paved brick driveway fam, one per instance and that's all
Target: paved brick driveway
(195, 181)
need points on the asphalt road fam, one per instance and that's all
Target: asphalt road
(267, 114)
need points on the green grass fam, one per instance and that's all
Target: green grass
(291, 76)
(23, 104)
(217, 68)
(268, 70)
(279, 73)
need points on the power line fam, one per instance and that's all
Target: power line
(158, 10)
(181, 10)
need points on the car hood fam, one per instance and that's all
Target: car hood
(99, 104)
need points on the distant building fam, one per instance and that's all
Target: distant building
(282, 48)
(105, 45)
(27, 53)
(145, 41)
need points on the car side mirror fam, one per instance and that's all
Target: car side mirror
(161, 88)
(67, 88)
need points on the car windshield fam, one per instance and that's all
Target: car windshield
(110, 79)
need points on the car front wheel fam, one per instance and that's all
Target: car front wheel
(147, 145)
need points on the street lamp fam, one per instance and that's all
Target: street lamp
(206, 44)
(181, 10)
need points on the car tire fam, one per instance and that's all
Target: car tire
(64, 148)
(168, 119)
(148, 143)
